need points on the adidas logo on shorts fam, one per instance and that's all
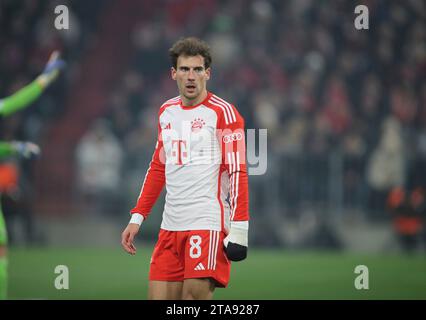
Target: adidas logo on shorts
(200, 266)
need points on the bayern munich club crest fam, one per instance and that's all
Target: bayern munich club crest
(197, 124)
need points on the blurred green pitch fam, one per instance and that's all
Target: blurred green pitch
(267, 274)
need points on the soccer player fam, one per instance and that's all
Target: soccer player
(200, 158)
(17, 101)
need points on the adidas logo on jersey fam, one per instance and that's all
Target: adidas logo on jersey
(200, 266)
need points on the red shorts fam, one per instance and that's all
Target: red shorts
(180, 255)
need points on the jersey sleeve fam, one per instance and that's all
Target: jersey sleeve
(20, 99)
(154, 180)
(232, 135)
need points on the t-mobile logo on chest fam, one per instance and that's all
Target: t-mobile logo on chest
(179, 150)
(186, 141)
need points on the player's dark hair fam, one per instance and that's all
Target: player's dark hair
(190, 47)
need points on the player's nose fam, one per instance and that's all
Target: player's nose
(191, 75)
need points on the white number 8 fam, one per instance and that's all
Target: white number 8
(195, 250)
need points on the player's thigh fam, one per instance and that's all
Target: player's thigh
(198, 289)
(164, 290)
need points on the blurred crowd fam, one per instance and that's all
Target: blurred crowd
(27, 38)
(298, 68)
(301, 70)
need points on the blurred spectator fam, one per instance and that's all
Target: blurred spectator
(386, 167)
(99, 169)
(408, 209)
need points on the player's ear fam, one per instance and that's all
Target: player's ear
(173, 73)
(208, 70)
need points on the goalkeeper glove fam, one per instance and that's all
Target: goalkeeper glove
(51, 71)
(236, 242)
(26, 149)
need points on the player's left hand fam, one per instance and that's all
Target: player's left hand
(52, 69)
(236, 242)
(54, 63)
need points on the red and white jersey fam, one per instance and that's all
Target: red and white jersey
(200, 156)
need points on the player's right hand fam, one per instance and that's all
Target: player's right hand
(26, 149)
(127, 238)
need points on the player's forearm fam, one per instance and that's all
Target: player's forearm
(25, 96)
(239, 196)
(236, 242)
(151, 188)
(150, 192)
(20, 99)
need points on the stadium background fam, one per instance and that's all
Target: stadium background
(345, 111)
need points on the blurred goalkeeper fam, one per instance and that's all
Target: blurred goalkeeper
(9, 105)
(200, 158)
